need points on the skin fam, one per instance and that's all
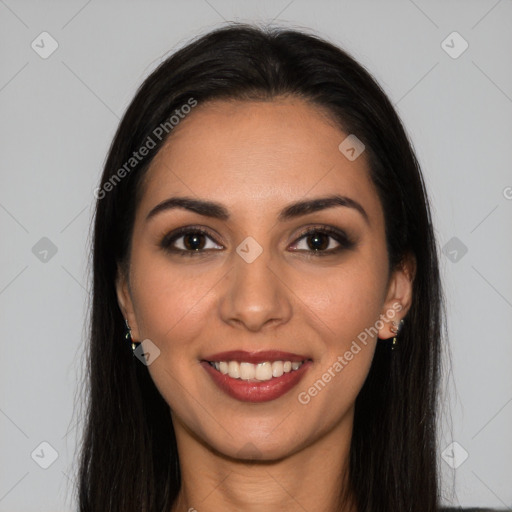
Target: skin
(256, 158)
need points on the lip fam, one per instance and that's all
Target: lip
(254, 391)
(242, 356)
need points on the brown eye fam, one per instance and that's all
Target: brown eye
(193, 241)
(323, 241)
(188, 241)
(318, 241)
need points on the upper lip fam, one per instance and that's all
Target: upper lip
(255, 357)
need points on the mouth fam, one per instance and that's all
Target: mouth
(256, 376)
(260, 372)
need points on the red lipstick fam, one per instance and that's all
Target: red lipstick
(254, 390)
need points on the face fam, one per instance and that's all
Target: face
(306, 285)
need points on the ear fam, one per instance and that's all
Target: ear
(399, 295)
(124, 299)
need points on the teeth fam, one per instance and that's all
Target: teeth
(247, 371)
(277, 369)
(261, 371)
(234, 369)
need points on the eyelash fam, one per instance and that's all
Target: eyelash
(345, 242)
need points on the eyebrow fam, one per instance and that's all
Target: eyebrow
(292, 211)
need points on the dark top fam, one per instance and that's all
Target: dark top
(459, 509)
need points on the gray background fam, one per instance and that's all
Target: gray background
(58, 116)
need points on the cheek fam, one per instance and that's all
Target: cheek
(346, 303)
(346, 312)
(170, 302)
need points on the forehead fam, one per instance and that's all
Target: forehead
(251, 155)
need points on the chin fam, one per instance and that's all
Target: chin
(257, 447)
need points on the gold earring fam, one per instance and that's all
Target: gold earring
(397, 327)
(128, 335)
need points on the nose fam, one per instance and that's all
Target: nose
(255, 295)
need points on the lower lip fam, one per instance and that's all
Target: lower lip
(263, 391)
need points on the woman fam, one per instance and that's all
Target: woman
(267, 309)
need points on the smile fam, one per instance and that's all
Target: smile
(260, 372)
(256, 376)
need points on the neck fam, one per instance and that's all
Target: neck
(312, 479)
